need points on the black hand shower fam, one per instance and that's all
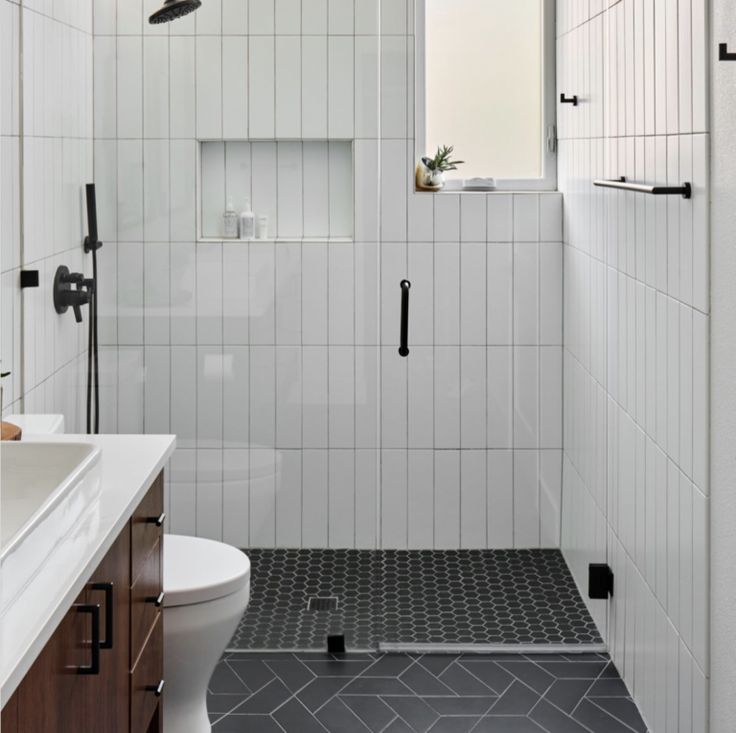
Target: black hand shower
(173, 9)
(92, 244)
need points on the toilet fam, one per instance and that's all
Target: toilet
(206, 590)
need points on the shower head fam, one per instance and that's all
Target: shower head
(173, 9)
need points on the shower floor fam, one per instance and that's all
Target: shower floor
(460, 597)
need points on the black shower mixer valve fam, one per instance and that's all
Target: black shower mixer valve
(72, 290)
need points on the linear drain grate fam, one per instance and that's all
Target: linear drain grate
(322, 604)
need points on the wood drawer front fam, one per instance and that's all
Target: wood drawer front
(146, 678)
(146, 589)
(144, 531)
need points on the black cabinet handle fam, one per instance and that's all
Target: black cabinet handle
(158, 521)
(158, 689)
(94, 611)
(109, 609)
(569, 100)
(404, 344)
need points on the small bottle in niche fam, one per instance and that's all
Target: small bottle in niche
(230, 221)
(262, 231)
(247, 222)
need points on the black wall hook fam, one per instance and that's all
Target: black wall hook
(724, 54)
(569, 100)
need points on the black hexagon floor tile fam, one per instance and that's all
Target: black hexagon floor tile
(412, 597)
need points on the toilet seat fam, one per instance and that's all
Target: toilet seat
(198, 570)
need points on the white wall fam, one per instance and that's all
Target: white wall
(286, 352)
(46, 138)
(723, 348)
(636, 464)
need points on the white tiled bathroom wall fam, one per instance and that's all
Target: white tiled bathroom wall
(276, 363)
(635, 474)
(46, 138)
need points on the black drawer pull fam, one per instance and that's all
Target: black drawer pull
(158, 521)
(109, 609)
(94, 611)
(158, 600)
(158, 689)
(404, 343)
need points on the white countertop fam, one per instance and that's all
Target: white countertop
(129, 465)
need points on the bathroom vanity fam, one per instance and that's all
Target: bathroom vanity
(92, 660)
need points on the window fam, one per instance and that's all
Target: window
(485, 84)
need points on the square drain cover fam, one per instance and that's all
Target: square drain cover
(322, 604)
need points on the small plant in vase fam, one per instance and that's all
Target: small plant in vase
(431, 171)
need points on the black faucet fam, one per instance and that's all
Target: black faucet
(65, 296)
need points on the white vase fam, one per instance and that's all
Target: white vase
(427, 179)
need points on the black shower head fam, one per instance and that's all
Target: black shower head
(173, 9)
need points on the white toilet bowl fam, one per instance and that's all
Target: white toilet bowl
(206, 587)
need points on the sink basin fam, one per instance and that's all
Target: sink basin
(46, 488)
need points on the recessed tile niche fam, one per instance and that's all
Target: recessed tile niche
(304, 188)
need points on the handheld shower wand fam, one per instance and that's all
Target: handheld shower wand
(92, 244)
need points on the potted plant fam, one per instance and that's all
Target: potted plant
(431, 171)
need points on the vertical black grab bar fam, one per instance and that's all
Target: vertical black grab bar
(404, 343)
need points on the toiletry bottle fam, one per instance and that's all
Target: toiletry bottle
(230, 221)
(247, 222)
(262, 227)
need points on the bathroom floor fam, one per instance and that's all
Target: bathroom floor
(412, 597)
(362, 693)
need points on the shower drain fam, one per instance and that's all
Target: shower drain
(322, 604)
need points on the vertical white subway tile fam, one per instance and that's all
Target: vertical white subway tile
(261, 18)
(234, 17)
(473, 404)
(209, 86)
(394, 84)
(367, 80)
(209, 294)
(235, 498)
(316, 211)
(340, 58)
(314, 86)
(290, 178)
(264, 191)
(262, 286)
(288, 397)
(342, 517)
(447, 294)
(288, 299)
(342, 397)
(315, 498)
(526, 217)
(341, 289)
(500, 503)
(526, 396)
(420, 489)
(314, 390)
(288, 87)
(447, 218)
(526, 499)
(526, 293)
(262, 396)
(182, 86)
(314, 294)
(262, 510)
(261, 85)
(235, 87)
(499, 293)
(235, 397)
(288, 17)
(420, 388)
(447, 499)
(156, 196)
(394, 514)
(210, 372)
(341, 189)
(473, 294)
(314, 17)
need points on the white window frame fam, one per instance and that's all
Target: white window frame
(548, 143)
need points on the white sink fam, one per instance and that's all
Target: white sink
(46, 488)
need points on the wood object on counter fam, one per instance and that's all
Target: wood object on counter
(10, 431)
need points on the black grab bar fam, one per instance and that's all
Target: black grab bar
(404, 347)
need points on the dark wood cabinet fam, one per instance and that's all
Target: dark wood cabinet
(122, 693)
